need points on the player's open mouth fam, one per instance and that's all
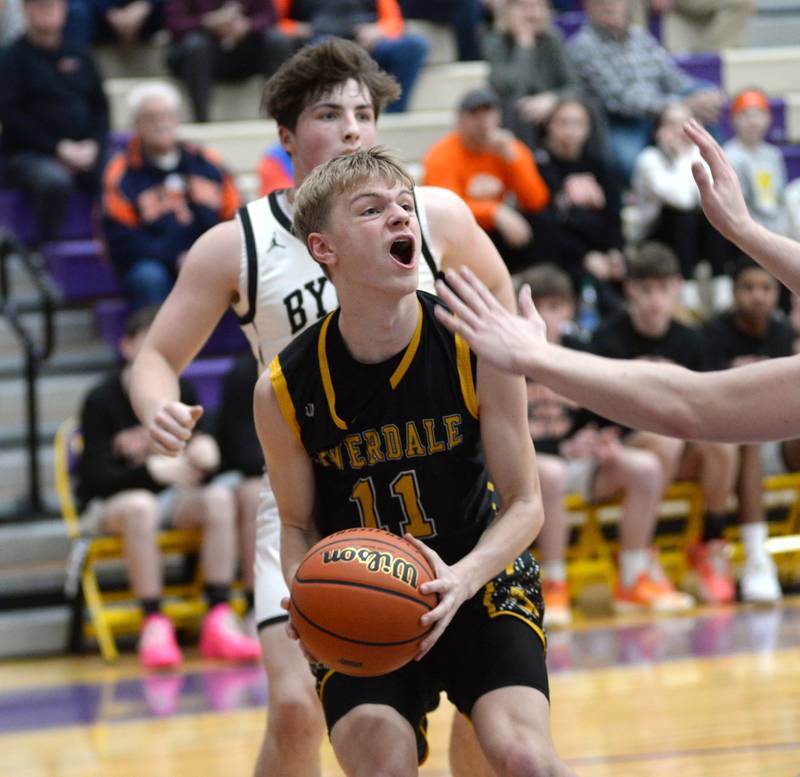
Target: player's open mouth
(402, 251)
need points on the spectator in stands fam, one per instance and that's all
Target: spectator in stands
(377, 25)
(594, 464)
(530, 68)
(699, 25)
(159, 196)
(486, 166)
(752, 330)
(126, 490)
(125, 22)
(12, 21)
(275, 170)
(759, 165)
(54, 115)
(585, 202)
(647, 330)
(242, 463)
(668, 208)
(634, 78)
(464, 16)
(221, 40)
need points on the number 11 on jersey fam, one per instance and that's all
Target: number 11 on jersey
(404, 488)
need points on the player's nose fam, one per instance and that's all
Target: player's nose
(351, 129)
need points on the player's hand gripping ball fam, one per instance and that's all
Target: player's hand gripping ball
(356, 604)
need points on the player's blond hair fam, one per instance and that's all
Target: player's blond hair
(315, 197)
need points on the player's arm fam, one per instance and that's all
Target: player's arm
(206, 286)
(756, 403)
(461, 241)
(511, 461)
(724, 205)
(291, 475)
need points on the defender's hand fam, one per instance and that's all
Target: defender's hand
(172, 426)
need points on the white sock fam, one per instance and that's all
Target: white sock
(754, 535)
(631, 564)
(555, 571)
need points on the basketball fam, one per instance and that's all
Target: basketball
(356, 603)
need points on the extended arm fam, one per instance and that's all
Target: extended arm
(723, 204)
(756, 403)
(206, 285)
(461, 242)
(291, 475)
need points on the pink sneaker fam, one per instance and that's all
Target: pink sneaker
(157, 646)
(222, 637)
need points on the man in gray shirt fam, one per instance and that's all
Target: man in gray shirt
(634, 78)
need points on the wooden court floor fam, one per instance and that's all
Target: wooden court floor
(713, 694)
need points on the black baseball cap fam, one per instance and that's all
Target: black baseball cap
(479, 98)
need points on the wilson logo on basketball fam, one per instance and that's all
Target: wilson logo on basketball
(375, 561)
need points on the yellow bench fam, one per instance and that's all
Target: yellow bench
(114, 612)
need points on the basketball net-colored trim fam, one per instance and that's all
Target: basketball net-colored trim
(278, 380)
(408, 356)
(325, 371)
(465, 376)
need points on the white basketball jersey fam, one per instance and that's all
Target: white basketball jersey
(282, 290)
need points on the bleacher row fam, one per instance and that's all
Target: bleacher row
(76, 261)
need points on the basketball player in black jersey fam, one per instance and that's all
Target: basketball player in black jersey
(377, 416)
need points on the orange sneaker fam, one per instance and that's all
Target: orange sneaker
(649, 594)
(710, 561)
(556, 604)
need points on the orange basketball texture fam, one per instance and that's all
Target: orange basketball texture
(356, 603)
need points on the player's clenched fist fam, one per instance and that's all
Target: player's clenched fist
(172, 426)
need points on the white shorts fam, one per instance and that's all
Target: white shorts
(270, 587)
(580, 477)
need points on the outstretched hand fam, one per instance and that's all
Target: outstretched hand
(720, 191)
(501, 338)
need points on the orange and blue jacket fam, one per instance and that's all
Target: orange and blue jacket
(152, 213)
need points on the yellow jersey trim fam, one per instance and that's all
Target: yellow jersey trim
(328, 675)
(539, 632)
(278, 380)
(408, 356)
(325, 371)
(465, 376)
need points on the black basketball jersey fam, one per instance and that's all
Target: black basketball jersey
(394, 445)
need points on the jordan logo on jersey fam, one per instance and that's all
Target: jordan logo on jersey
(274, 243)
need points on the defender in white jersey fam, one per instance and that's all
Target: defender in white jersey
(325, 101)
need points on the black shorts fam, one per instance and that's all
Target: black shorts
(495, 640)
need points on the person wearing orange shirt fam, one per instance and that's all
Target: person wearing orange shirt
(486, 165)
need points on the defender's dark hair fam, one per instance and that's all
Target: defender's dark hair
(318, 68)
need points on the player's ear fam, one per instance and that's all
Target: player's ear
(321, 249)
(286, 138)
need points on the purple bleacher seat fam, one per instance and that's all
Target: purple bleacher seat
(227, 338)
(570, 22)
(707, 67)
(777, 130)
(207, 377)
(15, 214)
(791, 154)
(80, 270)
